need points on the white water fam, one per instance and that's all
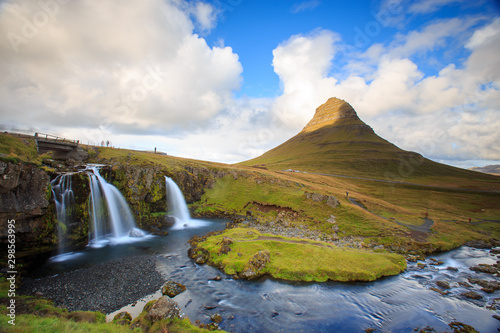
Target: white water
(64, 198)
(177, 207)
(111, 219)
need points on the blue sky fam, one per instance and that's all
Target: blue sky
(254, 28)
(226, 80)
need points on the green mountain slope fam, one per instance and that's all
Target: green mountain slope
(336, 141)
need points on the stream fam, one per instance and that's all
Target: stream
(394, 304)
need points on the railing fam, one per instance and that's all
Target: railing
(54, 138)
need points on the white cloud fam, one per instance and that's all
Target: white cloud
(302, 63)
(205, 16)
(305, 5)
(143, 78)
(138, 70)
(429, 6)
(452, 114)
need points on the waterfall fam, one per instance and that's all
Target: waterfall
(176, 202)
(111, 218)
(64, 199)
(177, 207)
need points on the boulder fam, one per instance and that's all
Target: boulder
(332, 201)
(168, 221)
(136, 232)
(200, 256)
(443, 284)
(123, 318)
(472, 295)
(172, 288)
(255, 266)
(484, 268)
(329, 200)
(225, 245)
(216, 318)
(488, 286)
(164, 308)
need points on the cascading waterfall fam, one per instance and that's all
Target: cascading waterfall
(64, 199)
(177, 207)
(111, 218)
(111, 221)
(176, 203)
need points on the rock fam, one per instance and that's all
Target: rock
(435, 262)
(443, 293)
(225, 245)
(464, 284)
(255, 265)
(488, 286)
(24, 196)
(218, 278)
(329, 200)
(164, 308)
(495, 250)
(411, 258)
(421, 265)
(378, 247)
(172, 288)
(489, 269)
(216, 318)
(472, 295)
(331, 219)
(136, 232)
(123, 318)
(209, 307)
(443, 284)
(200, 256)
(332, 201)
(168, 221)
(453, 269)
(461, 328)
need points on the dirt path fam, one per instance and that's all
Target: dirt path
(279, 239)
(425, 227)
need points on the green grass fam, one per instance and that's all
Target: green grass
(31, 323)
(18, 149)
(302, 260)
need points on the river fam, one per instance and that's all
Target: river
(394, 304)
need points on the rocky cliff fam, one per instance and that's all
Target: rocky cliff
(27, 198)
(24, 197)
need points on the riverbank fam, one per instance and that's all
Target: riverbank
(104, 287)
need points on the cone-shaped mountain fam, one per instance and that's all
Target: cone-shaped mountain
(336, 141)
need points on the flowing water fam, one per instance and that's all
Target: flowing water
(394, 304)
(111, 221)
(64, 200)
(177, 207)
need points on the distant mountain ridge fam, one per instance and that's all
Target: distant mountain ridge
(491, 169)
(337, 141)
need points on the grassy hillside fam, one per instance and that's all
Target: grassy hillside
(337, 142)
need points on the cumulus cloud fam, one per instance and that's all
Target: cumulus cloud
(453, 114)
(302, 63)
(139, 70)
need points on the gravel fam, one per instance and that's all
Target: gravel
(105, 287)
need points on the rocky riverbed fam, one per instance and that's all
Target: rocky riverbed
(105, 287)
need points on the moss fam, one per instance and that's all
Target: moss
(298, 259)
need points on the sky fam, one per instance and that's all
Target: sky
(227, 80)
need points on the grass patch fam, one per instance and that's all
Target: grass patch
(301, 260)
